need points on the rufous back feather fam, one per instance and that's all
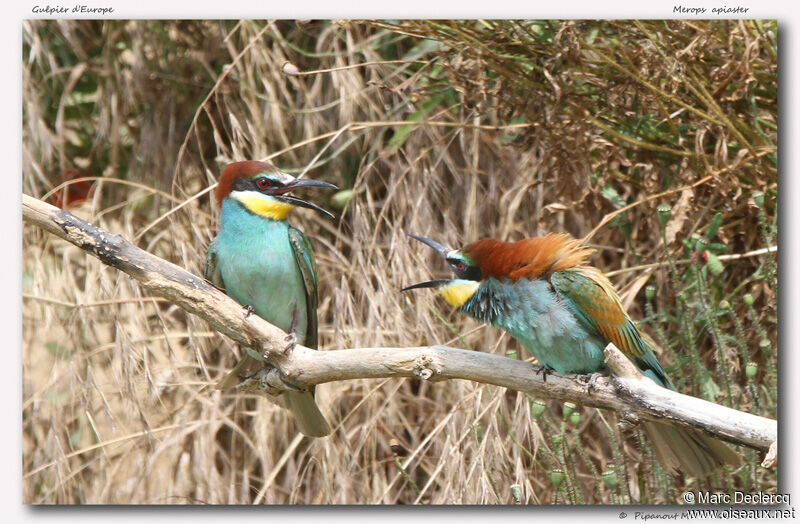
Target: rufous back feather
(246, 169)
(528, 258)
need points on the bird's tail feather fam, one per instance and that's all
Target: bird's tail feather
(240, 370)
(681, 450)
(310, 420)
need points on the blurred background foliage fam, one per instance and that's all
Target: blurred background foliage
(656, 140)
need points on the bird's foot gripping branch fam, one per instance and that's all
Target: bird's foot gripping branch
(266, 381)
(626, 391)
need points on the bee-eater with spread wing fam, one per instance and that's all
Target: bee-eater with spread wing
(268, 266)
(564, 312)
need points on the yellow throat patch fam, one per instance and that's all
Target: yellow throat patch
(459, 291)
(265, 207)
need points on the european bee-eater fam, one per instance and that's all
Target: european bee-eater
(268, 266)
(564, 312)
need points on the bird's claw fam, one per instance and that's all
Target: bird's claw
(291, 338)
(544, 371)
(267, 380)
(248, 310)
(590, 380)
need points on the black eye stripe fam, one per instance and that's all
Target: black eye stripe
(241, 184)
(252, 184)
(260, 183)
(464, 270)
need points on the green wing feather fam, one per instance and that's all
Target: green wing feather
(304, 255)
(309, 418)
(211, 271)
(589, 294)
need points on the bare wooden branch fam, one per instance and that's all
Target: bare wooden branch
(192, 293)
(628, 392)
(656, 402)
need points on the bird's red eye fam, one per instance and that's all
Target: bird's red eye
(460, 266)
(263, 183)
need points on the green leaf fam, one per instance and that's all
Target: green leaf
(716, 247)
(255, 354)
(709, 390)
(610, 193)
(713, 227)
(401, 135)
(27, 281)
(340, 199)
(56, 397)
(57, 350)
(75, 437)
(424, 47)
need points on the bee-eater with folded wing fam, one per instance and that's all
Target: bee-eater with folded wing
(564, 312)
(268, 266)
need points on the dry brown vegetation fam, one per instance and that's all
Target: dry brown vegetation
(519, 128)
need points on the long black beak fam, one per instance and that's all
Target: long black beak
(302, 203)
(439, 248)
(301, 183)
(436, 246)
(309, 182)
(429, 283)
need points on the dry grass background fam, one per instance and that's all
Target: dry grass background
(530, 127)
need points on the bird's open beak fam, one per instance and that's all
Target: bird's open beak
(439, 248)
(308, 182)
(302, 183)
(429, 283)
(436, 246)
